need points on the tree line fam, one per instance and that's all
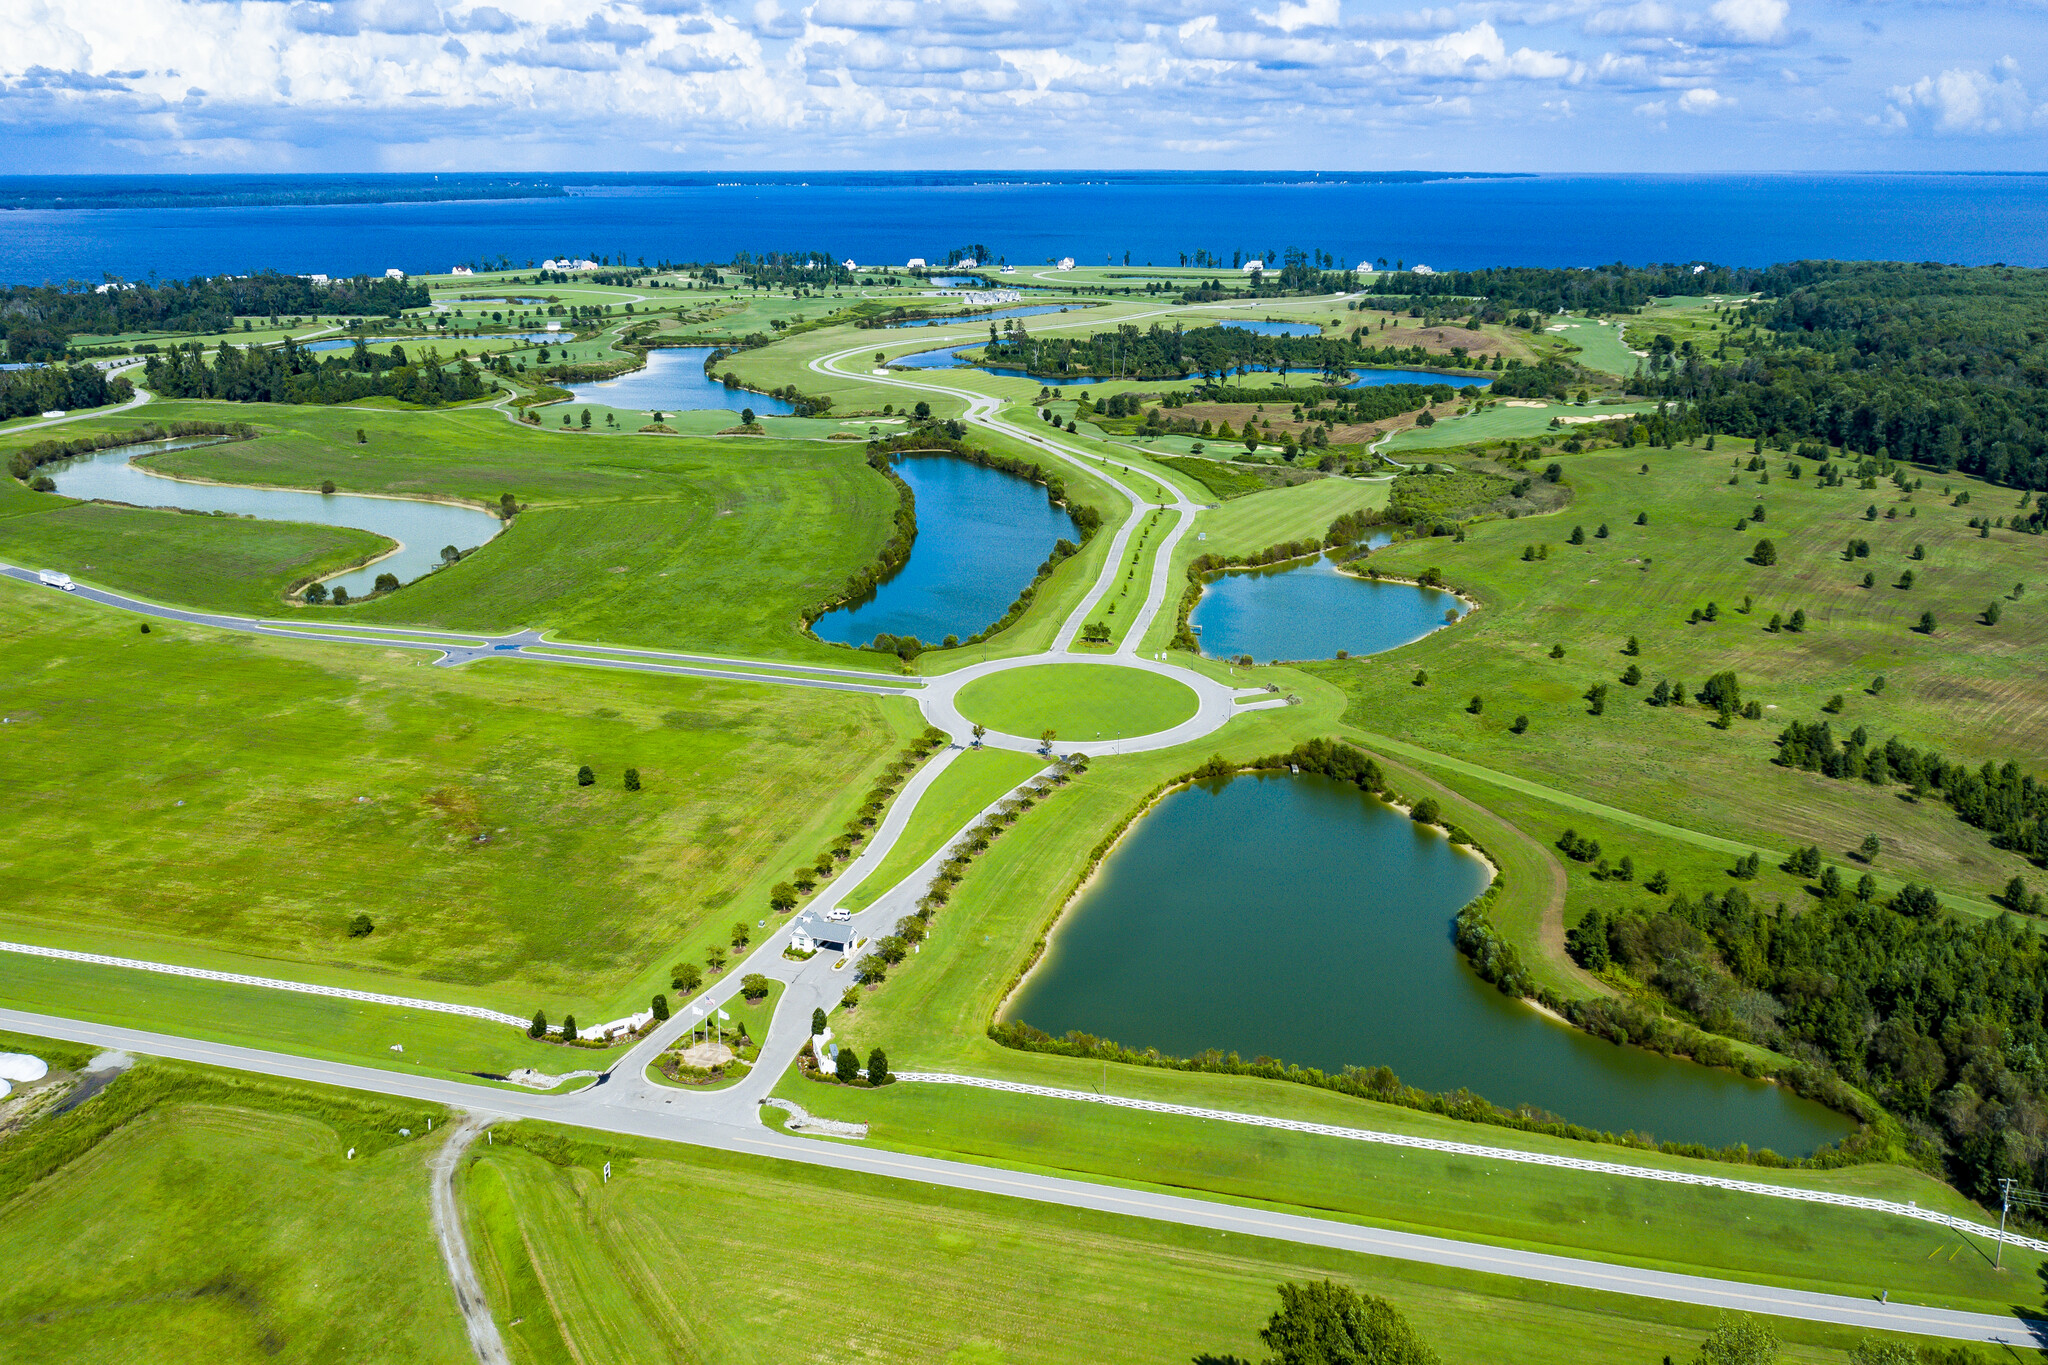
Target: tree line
(40, 320)
(25, 393)
(292, 374)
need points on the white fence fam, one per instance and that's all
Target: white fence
(1569, 1163)
(267, 982)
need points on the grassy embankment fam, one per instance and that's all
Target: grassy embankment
(974, 779)
(1973, 691)
(1078, 701)
(441, 803)
(585, 1269)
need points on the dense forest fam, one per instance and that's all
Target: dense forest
(292, 374)
(1941, 1018)
(790, 269)
(40, 320)
(1213, 353)
(1602, 289)
(24, 393)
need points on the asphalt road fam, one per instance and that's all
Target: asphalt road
(641, 1111)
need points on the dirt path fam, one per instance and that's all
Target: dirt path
(469, 1291)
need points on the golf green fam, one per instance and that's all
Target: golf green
(1079, 702)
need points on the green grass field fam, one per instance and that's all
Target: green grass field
(1973, 691)
(222, 1220)
(1079, 701)
(1501, 422)
(254, 794)
(975, 779)
(594, 1270)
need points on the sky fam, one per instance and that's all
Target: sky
(560, 85)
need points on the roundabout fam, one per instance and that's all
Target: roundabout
(1077, 701)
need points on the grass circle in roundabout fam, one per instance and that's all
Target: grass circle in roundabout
(1080, 702)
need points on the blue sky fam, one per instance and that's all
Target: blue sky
(420, 85)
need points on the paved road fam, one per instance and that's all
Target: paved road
(653, 1114)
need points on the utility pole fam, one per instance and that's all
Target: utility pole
(2012, 1194)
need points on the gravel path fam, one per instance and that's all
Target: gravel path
(469, 1291)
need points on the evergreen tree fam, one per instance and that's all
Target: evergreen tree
(878, 1067)
(539, 1027)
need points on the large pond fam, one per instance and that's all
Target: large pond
(1272, 329)
(1373, 379)
(1298, 918)
(421, 528)
(1310, 611)
(673, 380)
(981, 535)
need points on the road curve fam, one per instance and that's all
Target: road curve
(651, 1116)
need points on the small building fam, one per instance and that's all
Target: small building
(813, 935)
(850, 264)
(567, 264)
(969, 264)
(462, 270)
(554, 327)
(1007, 270)
(1365, 267)
(394, 274)
(1066, 263)
(1254, 267)
(1420, 270)
(317, 279)
(914, 263)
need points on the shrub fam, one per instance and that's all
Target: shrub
(878, 1067)
(1764, 553)
(754, 986)
(1426, 811)
(568, 1028)
(660, 1007)
(847, 1065)
(817, 1022)
(632, 779)
(539, 1027)
(360, 926)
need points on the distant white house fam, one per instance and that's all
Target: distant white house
(1699, 270)
(317, 279)
(914, 263)
(394, 274)
(1254, 267)
(566, 264)
(850, 263)
(554, 327)
(969, 264)
(1420, 270)
(1365, 267)
(1007, 270)
(462, 270)
(1066, 263)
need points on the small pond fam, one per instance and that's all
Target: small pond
(948, 357)
(421, 528)
(1312, 610)
(348, 343)
(1030, 311)
(1373, 379)
(1273, 329)
(673, 380)
(953, 281)
(1298, 918)
(981, 535)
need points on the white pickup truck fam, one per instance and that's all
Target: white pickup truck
(57, 580)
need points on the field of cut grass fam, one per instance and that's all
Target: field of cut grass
(1500, 423)
(253, 795)
(1683, 1228)
(972, 781)
(1600, 341)
(589, 1270)
(1972, 691)
(224, 1221)
(1079, 701)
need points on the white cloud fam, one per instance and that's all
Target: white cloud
(1751, 21)
(1291, 18)
(1961, 100)
(1701, 100)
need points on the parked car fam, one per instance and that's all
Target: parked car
(839, 916)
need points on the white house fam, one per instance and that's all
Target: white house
(566, 264)
(317, 279)
(1420, 270)
(914, 263)
(813, 935)
(554, 327)
(1066, 263)
(969, 263)
(1365, 267)
(1007, 270)
(462, 270)
(850, 264)
(394, 274)
(1254, 267)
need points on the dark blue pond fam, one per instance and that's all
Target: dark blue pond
(949, 359)
(1311, 611)
(1273, 329)
(1373, 379)
(674, 381)
(981, 535)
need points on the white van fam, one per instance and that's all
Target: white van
(58, 580)
(839, 915)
